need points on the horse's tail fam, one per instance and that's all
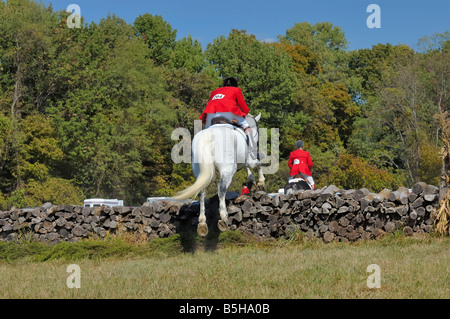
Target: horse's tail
(206, 166)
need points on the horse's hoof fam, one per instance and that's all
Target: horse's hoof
(202, 229)
(223, 225)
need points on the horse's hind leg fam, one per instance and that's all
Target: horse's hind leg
(261, 186)
(262, 180)
(250, 179)
(202, 228)
(225, 181)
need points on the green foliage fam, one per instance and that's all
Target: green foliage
(187, 54)
(303, 59)
(435, 42)
(351, 172)
(34, 193)
(324, 94)
(157, 34)
(17, 199)
(95, 249)
(328, 43)
(430, 163)
(57, 191)
(397, 116)
(324, 161)
(89, 112)
(39, 150)
(5, 145)
(264, 71)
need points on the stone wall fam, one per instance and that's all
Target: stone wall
(329, 213)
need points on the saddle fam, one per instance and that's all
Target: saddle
(223, 120)
(235, 123)
(296, 185)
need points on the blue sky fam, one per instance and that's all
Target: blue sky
(402, 21)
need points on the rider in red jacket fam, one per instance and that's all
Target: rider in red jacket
(301, 164)
(245, 190)
(227, 99)
(228, 102)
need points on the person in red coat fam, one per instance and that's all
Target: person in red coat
(245, 190)
(301, 164)
(228, 102)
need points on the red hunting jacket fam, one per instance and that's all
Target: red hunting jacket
(245, 190)
(226, 99)
(300, 162)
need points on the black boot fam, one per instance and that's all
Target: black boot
(252, 146)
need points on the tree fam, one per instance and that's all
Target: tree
(6, 178)
(352, 172)
(26, 31)
(323, 98)
(107, 125)
(370, 65)
(304, 60)
(328, 43)
(187, 54)
(398, 104)
(371, 138)
(39, 150)
(437, 63)
(157, 34)
(264, 71)
(89, 112)
(435, 42)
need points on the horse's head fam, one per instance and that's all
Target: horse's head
(250, 118)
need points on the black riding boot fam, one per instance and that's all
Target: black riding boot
(252, 146)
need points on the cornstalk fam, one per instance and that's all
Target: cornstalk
(442, 221)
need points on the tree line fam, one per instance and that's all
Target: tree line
(88, 112)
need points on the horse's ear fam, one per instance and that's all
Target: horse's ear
(258, 117)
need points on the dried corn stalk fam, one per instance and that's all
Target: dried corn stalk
(443, 214)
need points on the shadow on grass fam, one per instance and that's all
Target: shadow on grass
(187, 226)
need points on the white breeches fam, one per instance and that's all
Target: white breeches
(309, 179)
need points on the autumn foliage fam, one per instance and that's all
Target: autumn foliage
(88, 112)
(351, 172)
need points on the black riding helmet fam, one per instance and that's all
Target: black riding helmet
(230, 82)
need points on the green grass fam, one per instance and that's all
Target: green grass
(242, 267)
(96, 249)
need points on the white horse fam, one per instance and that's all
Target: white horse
(222, 147)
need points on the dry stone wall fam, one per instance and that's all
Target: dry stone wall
(329, 213)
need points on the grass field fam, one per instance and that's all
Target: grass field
(240, 268)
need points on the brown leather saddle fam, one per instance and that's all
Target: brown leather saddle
(235, 123)
(223, 120)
